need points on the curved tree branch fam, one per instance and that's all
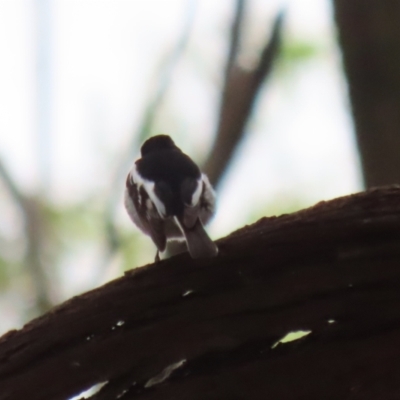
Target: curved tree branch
(211, 329)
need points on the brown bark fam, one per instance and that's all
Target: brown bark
(215, 321)
(369, 33)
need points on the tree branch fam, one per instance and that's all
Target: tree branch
(369, 37)
(33, 224)
(209, 329)
(238, 97)
(235, 36)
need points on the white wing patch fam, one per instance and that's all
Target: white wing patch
(149, 188)
(209, 194)
(208, 201)
(133, 212)
(197, 193)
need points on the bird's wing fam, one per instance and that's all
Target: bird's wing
(157, 234)
(199, 199)
(144, 213)
(207, 201)
(190, 192)
(134, 205)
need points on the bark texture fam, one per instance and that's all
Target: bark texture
(369, 34)
(187, 329)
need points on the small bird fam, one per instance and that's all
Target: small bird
(168, 198)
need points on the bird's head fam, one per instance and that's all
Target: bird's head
(157, 143)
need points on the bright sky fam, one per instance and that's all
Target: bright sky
(104, 62)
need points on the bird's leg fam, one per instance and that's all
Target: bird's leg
(157, 259)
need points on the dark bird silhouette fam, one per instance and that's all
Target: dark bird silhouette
(168, 197)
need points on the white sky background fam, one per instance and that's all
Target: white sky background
(105, 57)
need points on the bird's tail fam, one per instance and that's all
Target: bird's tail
(198, 242)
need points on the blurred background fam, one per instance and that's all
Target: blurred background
(254, 91)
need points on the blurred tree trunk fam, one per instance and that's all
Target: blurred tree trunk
(369, 34)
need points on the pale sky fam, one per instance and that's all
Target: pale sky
(105, 55)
